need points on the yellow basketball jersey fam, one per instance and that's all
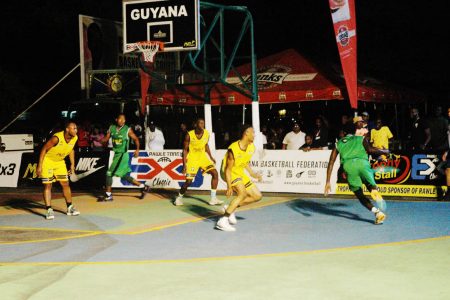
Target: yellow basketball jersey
(241, 157)
(196, 145)
(62, 149)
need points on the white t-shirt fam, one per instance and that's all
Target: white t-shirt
(294, 140)
(154, 140)
(264, 139)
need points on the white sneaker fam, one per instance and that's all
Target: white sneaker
(224, 225)
(215, 201)
(50, 214)
(379, 218)
(232, 218)
(71, 211)
(178, 201)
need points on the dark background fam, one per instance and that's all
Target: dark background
(402, 42)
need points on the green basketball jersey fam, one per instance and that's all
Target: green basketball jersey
(119, 138)
(350, 147)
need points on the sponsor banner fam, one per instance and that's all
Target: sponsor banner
(90, 168)
(405, 190)
(9, 168)
(344, 22)
(290, 171)
(407, 169)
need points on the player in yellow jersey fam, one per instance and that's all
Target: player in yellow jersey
(236, 161)
(52, 167)
(197, 155)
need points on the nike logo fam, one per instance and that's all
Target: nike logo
(76, 177)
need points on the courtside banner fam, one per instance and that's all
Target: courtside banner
(408, 174)
(344, 22)
(9, 168)
(288, 171)
(90, 168)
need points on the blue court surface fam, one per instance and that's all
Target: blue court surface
(289, 231)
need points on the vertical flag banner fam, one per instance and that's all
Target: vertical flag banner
(344, 21)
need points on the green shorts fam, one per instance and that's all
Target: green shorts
(358, 172)
(120, 165)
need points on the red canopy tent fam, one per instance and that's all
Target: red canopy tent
(283, 77)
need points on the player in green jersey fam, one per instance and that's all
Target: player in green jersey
(120, 135)
(353, 152)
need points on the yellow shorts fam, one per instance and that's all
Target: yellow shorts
(193, 163)
(53, 171)
(238, 178)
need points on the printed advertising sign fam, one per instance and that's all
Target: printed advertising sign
(90, 168)
(292, 172)
(414, 175)
(9, 168)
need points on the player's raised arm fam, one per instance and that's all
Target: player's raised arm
(331, 162)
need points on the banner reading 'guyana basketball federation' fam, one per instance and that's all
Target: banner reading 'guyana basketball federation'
(344, 20)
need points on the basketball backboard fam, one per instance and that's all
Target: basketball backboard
(173, 22)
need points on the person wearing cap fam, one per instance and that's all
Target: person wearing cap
(294, 139)
(154, 138)
(360, 127)
(353, 152)
(368, 123)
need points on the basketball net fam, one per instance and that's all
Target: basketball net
(149, 49)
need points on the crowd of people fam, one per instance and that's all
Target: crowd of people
(421, 133)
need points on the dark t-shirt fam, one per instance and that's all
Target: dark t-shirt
(417, 132)
(438, 128)
(320, 137)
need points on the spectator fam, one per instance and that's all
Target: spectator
(380, 136)
(366, 119)
(264, 136)
(320, 133)
(419, 131)
(272, 139)
(438, 127)
(95, 138)
(361, 129)
(154, 138)
(309, 144)
(83, 142)
(294, 139)
(446, 158)
(182, 135)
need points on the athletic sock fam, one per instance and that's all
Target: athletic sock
(180, 195)
(108, 194)
(213, 194)
(142, 185)
(375, 210)
(68, 204)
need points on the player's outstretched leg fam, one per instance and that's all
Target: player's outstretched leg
(179, 199)
(214, 182)
(71, 210)
(50, 215)
(379, 215)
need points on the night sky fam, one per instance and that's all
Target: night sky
(398, 41)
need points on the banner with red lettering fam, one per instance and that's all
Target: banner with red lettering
(344, 20)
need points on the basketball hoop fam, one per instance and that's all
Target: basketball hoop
(149, 49)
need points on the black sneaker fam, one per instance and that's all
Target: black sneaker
(144, 192)
(105, 198)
